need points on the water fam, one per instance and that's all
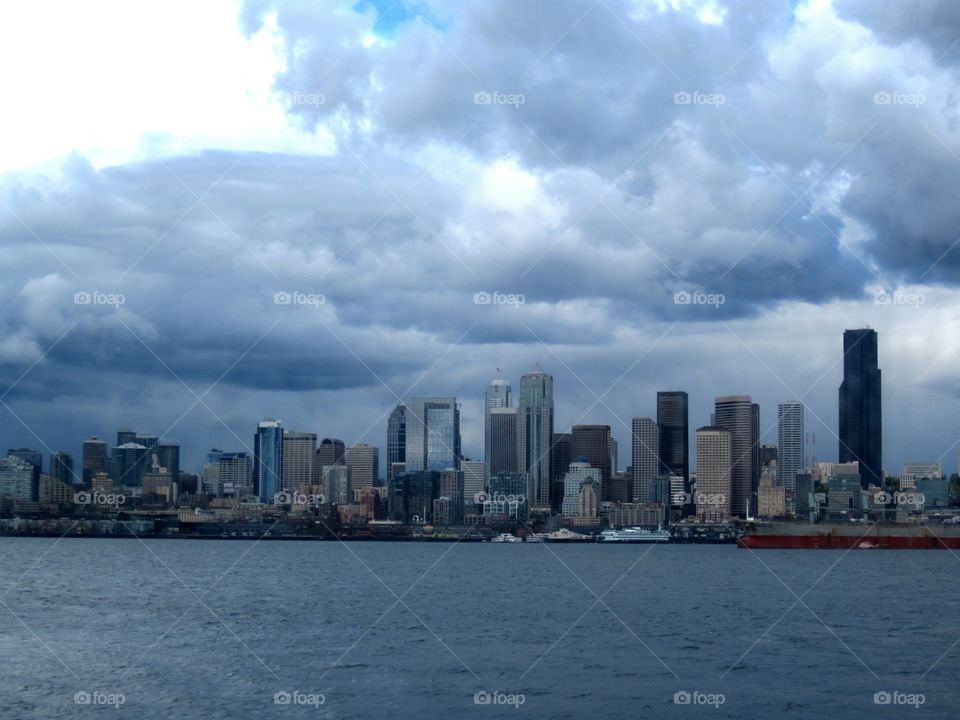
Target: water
(213, 629)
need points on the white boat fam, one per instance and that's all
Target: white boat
(634, 535)
(507, 538)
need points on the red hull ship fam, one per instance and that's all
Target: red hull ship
(827, 536)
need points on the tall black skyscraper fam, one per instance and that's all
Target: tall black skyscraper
(861, 430)
(396, 438)
(674, 428)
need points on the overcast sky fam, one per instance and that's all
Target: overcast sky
(791, 168)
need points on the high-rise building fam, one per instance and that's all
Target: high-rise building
(503, 443)
(227, 474)
(861, 428)
(714, 476)
(125, 437)
(268, 459)
(644, 459)
(451, 488)
(561, 455)
(498, 395)
(364, 463)
(754, 455)
(167, 455)
(61, 467)
(433, 434)
(674, 426)
(736, 414)
(94, 458)
(474, 481)
(578, 473)
(128, 462)
(535, 435)
(593, 443)
(790, 448)
(148, 441)
(330, 451)
(16, 479)
(337, 484)
(299, 454)
(396, 439)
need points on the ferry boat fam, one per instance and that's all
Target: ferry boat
(634, 535)
(506, 538)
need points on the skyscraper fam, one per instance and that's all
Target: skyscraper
(502, 441)
(593, 443)
(94, 458)
(474, 481)
(396, 438)
(364, 463)
(861, 431)
(535, 414)
(299, 451)
(168, 456)
(330, 451)
(674, 426)
(755, 466)
(714, 477)
(561, 455)
(498, 395)
(433, 434)
(790, 435)
(61, 467)
(127, 465)
(268, 459)
(736, 414)
(126, 436)
(644, 458)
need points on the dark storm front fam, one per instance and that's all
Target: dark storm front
(344, 630)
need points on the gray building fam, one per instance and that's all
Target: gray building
(790, 448)
(535, 435)
(94, 458)
(644, 459)
(736, 413)
(498, 395)
(503, 442)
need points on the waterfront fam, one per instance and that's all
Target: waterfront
(210, 630)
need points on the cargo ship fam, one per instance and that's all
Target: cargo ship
(844, 536)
